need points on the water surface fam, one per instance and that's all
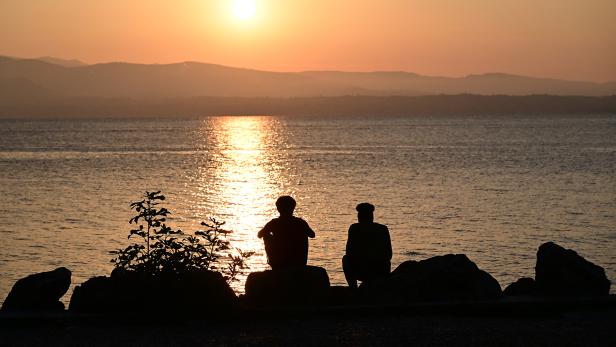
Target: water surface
(494, 188)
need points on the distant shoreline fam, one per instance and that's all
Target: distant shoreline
(401, 106)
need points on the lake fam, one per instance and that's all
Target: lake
(491, 187)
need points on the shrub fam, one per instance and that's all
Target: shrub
(163, 250)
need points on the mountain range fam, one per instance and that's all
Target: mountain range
(47, 78)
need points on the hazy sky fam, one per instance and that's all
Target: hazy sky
(572, 39)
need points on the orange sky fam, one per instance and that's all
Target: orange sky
(571, 39)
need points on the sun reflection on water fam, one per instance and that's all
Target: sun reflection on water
(247, 178)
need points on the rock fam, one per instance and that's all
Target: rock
(39, 292)
(448, 277)
(562, 272)
(299, 286)
(343, 296)
(523, 287)
(92, 296)
(190, 293)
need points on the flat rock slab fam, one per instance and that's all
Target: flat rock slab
(298, 286)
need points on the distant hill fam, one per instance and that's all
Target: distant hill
(62, 62)
(21, 90)
(68, 78)
(167, 81)
(50, 87)
(405, 83)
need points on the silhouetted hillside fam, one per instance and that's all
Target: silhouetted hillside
(187, 80)
(165, 81)
(404, 83)
(22, 91)
(38, 88)
(61, 62)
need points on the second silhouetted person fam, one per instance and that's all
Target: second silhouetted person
(368, 248)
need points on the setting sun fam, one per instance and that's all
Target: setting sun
(244, 9)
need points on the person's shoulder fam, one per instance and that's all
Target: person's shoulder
(299, 220)
(380, 227)
(354, 226)
(272, 223)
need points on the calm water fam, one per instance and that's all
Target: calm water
(493, 188)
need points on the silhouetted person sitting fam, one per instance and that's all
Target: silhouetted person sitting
(368, 248)
(286, 237)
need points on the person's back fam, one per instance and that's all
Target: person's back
(368, 249)
(369, 241)
(286, 242)
(286, 237)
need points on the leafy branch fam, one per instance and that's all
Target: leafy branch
(161, 249)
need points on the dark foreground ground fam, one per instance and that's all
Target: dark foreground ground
(579, 325)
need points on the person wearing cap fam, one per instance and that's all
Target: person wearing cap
(286, 237)
(368, 248)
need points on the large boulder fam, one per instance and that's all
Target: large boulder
(447, 277)
(562, 272)
(523, 287)
(295, 286)
(189, 293)
(39, 292)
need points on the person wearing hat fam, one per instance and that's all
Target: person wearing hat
(286, 237)
(368, 248)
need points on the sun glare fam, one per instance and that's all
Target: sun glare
(244, 9)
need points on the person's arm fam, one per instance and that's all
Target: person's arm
(263, 231)
(388, 244)
(309, 231)
(350, 243)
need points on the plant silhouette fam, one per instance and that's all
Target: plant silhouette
(164, 250)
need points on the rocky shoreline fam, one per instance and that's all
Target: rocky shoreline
(559, 273)
(444, 300)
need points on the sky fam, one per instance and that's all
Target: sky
(566, 39)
